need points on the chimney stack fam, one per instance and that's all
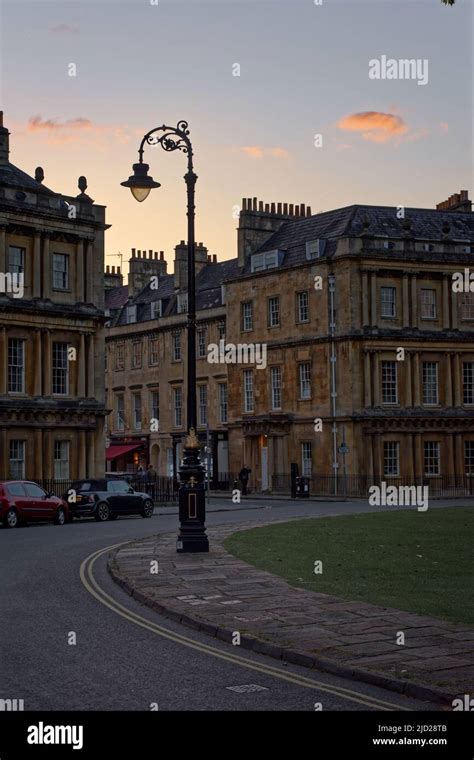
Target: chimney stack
(457, 202)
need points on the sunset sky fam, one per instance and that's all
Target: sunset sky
(303, 71)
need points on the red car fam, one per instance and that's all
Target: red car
(22, 502)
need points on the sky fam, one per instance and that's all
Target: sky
(302, 122)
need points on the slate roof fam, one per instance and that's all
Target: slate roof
(116, 297)
(12, 176)
(426, 224)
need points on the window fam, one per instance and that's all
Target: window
(223, 402)
(120, 413)
(60, 271)
(428, 303)
(248, 390)
(387, 302)
(468, 382)
(176, 346)
(34, 491)
(16, 489)
(137, 410)
(267, 260)
(431, 458)
(469, 457)
(246, 313)
(60, 369)
(17, 460)
(275, 380)
(274, 311)
(221, 331)
(182, 302)
(155, 309)
(305, 380)
(16, 260)
(315, 248)
(302, 306)
(136, 354)
(391, 458)
(467, 306)
(178, 406)
(389, 383)
(203, 404)
(131, 314)
(306, 459)
(155, 405)
(119, 356)
(202, 343)
(430, 383)
(153, 355)
(16, 365)
(61, 460)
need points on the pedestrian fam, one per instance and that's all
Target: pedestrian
(151, 472)
(151, 481)
(244, 478)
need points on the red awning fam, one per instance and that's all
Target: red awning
(115, 451)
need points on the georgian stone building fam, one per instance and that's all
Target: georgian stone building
(370, 352)
(51, 329)
(146, 361)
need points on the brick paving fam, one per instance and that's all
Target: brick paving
(222, 595)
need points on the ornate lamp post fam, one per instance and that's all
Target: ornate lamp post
(192, 506)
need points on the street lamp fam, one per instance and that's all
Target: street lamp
(192, 506)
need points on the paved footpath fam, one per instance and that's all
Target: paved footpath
(221, 595)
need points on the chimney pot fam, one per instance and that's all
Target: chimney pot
(308, 210)
(285, 208)
(39, 174)
(214, 258)
(1, 118)
(107, 269)
(279, 208)
(272, 208)
(244, 204)
(297, 210)
(162, 255)
(291, 210)
(118, 270)
(133, 253)
(267, 208)
(260, 205)
(302, 209)
(208, 258)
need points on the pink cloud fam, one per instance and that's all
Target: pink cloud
(257, 151)
(375, 126)
(36, 123)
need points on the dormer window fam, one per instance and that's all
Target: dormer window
(156, 309)
(428, 247)
(182, 303)
(389, 244)
(267, 260)
(315, 248)
(131, 314)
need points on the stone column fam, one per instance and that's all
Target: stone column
(81, 455)
(376, 378)
(450, 454)
(36, 284)
(90, 366)
(449, 380)
(454, 310)
(445, 303)
(81, 367)
(414, 301)
(408, 379)
(90, 454)
(80, 254)
(3, 248)
(89, 296)
(378, 465)
(4, 454)
(47, 268)
(373, 298)
(419, 466)
(416, 379)
(48, 454)
(37, 363)
(459, 458)
(405, 301)
(38, 442)
(367, 385)
(365, 298)
(3, 360)
(47, 363)
(457, 379)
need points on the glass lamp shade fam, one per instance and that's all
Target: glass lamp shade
(140, 183)
(140, 193)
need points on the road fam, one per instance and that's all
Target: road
(126, 656)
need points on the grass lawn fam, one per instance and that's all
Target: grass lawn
(416, 561)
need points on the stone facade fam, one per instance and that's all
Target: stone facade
(335, 375)
(52, 335)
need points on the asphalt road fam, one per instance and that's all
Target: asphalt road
(118, 663)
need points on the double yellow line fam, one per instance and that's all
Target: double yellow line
(87, 577)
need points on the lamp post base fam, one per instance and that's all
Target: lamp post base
(192, 501)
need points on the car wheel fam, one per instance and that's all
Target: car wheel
(102, 511)
(11, 519)
(60, 518)
(148, 509)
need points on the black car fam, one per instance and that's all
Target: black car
(106, 500)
